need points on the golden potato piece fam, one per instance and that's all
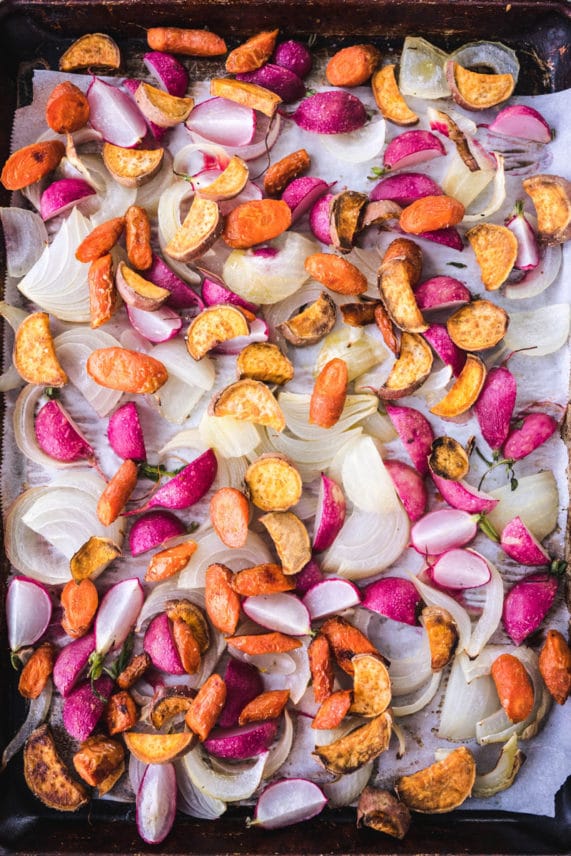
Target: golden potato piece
(398, 297)
(311, 325)
(98, 758)
(105, 786)
(371, 685)
(345, 218)
(290, 538)
(249, 401)
(264, 361)
(411, 368)
(248, 94)
(228, 185)
(389, 99)
(478, 325)
(551, 196)
(495, 248)
(192, 615)
(171, 702)
(137, 291)
(160, 107)
(201, 227)
(465, 390)
(94, 50)
(382, 811)
(158, 748)
(214, 325)
(132, 167)
(442, 635)
(359, 314)
(35, 357)
(476, 91)
(362, 745)
(93, 557)
(47, 776)
(274, 484)
(441, 787)
(449, 459)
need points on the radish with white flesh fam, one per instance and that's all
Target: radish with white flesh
(320, 219)
(28, 612)
(152, 530)
(243, 683)
(158, 326)
(441, 292)
(187, 487)
(62, 195)
(527, 604)
(284, 613)
(331, 112)
(459, 569)
(181, 295)
(242, 742)
(439, 339)
(410, 487)
(495, 406)
(125, 434)
(527, 245)
(277, 79)
(395, 598)
(156, 803)
(287, 802)
(439, 531)
(71, 663)
(330, 597)
(215, 292)
(170, 74)
(415, 432)
(459, 494)
(308, 577)
(302, 193)
(160, 646)
(412, 148)
(115, 115)
(116, 617)
(84, 707)
(519, 120)
(521, 545)
(131, 85)
(59, 437)
(219, 120)
(405, 188)
(531, 432)
(329, 514)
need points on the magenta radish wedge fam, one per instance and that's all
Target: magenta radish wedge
(461, 495)
(528, 248)
(302, 193)
(156, 803)
(125, 434)
(287, 802)
(115, 115)
(158, 326)
(410, 487)
(495, 406)
(330, 597)
(221, 121)
(71, 663)
(131, 85)
(395, 598)
(439, 531)
(329, 515)
(283, 82)
(441, 292)
(449, 237)
(159, 645)
(415, 432)
(330, 112)
(242, 742)
(117, 615)
(527, 604)
(412, 148)
(459, 569)
(215, 292)
(59, 437)
(319, 219)
(405, 188)
(308, 577)
(521, 545)
(170, 74)
(531, 432)
(294, 56)
(84, 707)
(181, 295)
(153, 529)
(284, 613)
(438, 338)
(187, 487)
(243, 683)
(521, 121)
(28, 612)
(62, 195)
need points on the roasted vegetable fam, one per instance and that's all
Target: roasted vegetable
(200, 228)
(551, 196)
(249, 401)
(448, 459)
(389, 99)
(47, 776)
(158, 748)
(495, 248)
(265, 362)
(169, 702)
(94, 50)
(35, 356)
(382, 811)
(441, 787)
(442, 635)
(356, 749)
(478, 325)
(312, 324)
(371, 685)
(290, 538)
(345, 218)
(274, 484)
(214, 325)
(132, 167)
(346, 642)
(465, 390)
(397, 276)
(411, 368)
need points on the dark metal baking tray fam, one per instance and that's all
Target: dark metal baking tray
(34, 33)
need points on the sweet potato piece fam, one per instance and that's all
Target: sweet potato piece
(359, 314)
(345, 218)
(398, 297)
(274, 484)
(357, 748)
(158, 748)
(93, 557)
(248, 94)
(249, 401)
(111, 780)
(478, 325)
(186, 646)
(30, 163)
(346, 641)
(34, 676)
(264, 643)
(97, 758)
(206, 707)
(389, 99)
(222, 602)
(199, 230)
(333, 710)
(321, 666)
(405, 250)
(551, 196)
(104, 299)
(336, 273)
(390, 333)
(410, 370)
(47, 776)
(371, 685)
(382, 811)
(94, 50)
(261, 579)
(290, 538)
(465, 390)
(476, 91)
(67, 108)
(268, 705)
(166, 563)
(253, 53)
(279, 174)
(228, 185)
(162, 108)
(312, 324)
(132, 167)
(442, 635)
(214, 325)
(35, 357)
(121, 713)
(170, 702)
(129, 371)
(495, 248)
(133, 671)
(193, 617)
(448, 459)
(264, 361)
(441, 787)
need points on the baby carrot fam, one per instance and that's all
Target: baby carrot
(555, 666)
(79, 602)
(67, 108)
(104, 298)
(262, 579)
(206, 706)
(230, 515)
(333, 710)
(117, 492)
(264, 643)
(329, 394)
(253, 53)
(321, 666)
(138, 237)
(100, 240)
(257, 221)
(29, 164)
(37, 670)
(431, 213)
(187, 42)
(166, 563)
(514, 687)
(352, 66)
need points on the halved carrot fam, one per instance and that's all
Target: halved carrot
(264, 643)
(430, 213)
(268, 705)
(79, 602)
(67, 108)
(329, 394)
(206, 706)
(333, 710)
(230, 515)
(187, 42)
(257, 221)
(117, 492)
(262, 579)
(29, 164)
(104, 299)
(253, 53)
(100, 240)
(167, 563)
(221, 601)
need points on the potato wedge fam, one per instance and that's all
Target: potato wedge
(98, 758)
(464, 393)
(47, 776)
(345, 217)
(105, 786)
(390, 333)
(359, 314)
(398, 297)
(346, 642)
(94, 50)
(382, 811)
(290, 538)
(249, 401)
(35, 357)
(495, 248)
(137, 291)
(192, 615)
(132, 167)
(448, 459)
(371, 685)
(248, 94)
(442, 635)
(158, 748)
(475, 91)
(551, 196)
(478, 325)
(169, 702)
(405, 250)
(441, 787)
(228, 185)
(264, 361)
(214, 325)
(311, 325)
(201, 227)
(159, 107)
(411, 368)
(273, 483)
(389, 99)
(357, 748)
(93, 557)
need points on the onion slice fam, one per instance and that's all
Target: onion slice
(539, 278)
(422, 69)
(37, 713)
(368, 543)
(538, 332)
(25, 238)
(359, 146)
(535, 501)
(28, 612)
(424, 698)
(73, 349)
(194, 802)
(434, 597)
(495, 56)
(233, 786)
(503, 774)
(465, 704)
(115, 115)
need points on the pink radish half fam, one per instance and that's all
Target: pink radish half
(333, 112)
(521, 545)
(243, 683)
(115, 115)
(242, 742)
(58, 436)
(415, 433)
(71, 662)
(534, 430)
(156, 803)
(62, 195)
(28, 612)
(521, 121)
(159, 645)
(394, 597)
(282, 81)
(125, 434)
(405, 188)
(117, 615)
(302, 193)
(152, 529)
(287, 802)
(181, 295)
(527, 604)
(222, 121)
(329, 515)
(439, 531)
(83, 708)
(214, 291)
(495, 406)
(442, 292)
(461, 495)
(284, 613)
(330, 597)
(449, 237)
(308, 577)
(438, 338)
(171, 75)
(528, 246)
(412, 148)
(460, 569)
(187, 487)
(319, 219)
(410, 487)
(294, 56)
(158, 326)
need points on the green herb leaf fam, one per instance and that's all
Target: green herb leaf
(457, 264)
(155, 472)
(486, 527)
(377, 172)
(51, 392)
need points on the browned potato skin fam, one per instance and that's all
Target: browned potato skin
(265, 362)
(411, 368)
(359, 314)
(441, 787)
(448, 459)
(47, 776)
(357, 748)
(93, 557)
(201, 227)
(442, 635)
(345, 218)
(551, 196)
(311, 325)
(98, 757)
(169, 702)
(250, 401)
(381, 810)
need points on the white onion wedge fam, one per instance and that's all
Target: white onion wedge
(465, 703)
(359, 146)
(497, 198)
(37, 713)
(194, 802)
(228, 436)
(434, 597)
(424, 698)
(502, 776)
(25, 238)
(539, 278)
(331, 597)
(297, 681)
(279, 751)
(367, 544)
(347, 788)
(211, 549)
(284, 613)
(489, 620)
(535, 500)
(422, 69)
(156, 803)
(187, 382)
(73, 349)
(287, 802)
(28, 612)
(538, 332)
(366, 481)
(233, 786)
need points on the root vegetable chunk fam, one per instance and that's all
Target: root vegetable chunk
(397, 277)
(514, 687)
(212, 326)
(442, 635)
(478, 325)
(336, 273)
(449, 459)
(249, 401)
(228, 185)
(346, 642)
(411, 368)
(555, 666)
(132, 167)
(358, 748)
(475, 91)
(389, 99)
(551, 196)
(465, 391)
(290, 538)
(274, 483)
(94, 50)
(34, 353)
(382, 811)
(255, 222)
(495, 248)
(27, 165)
(200, 229)
(129, 371)
(47, 776)
(312, 324)
(247, 94)
(371, 685)
(441, 787)
(98, 757)
(265, 362)
(158, 748)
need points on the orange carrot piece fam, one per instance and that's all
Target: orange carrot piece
(321, 666)
(333, 710)
(121, 713)
(138, 237)
(134, 670)
(514, 687)
(206, 706)
(555, 666)
(79, 602)
(268, 705)
(336, 273)
(100, 240)
(230, 516)
(264, 643)
(187, 42)
(67, 108)
(257, 221)
(117, 492)
(346, 641)
(129, 371)
(329, 394)
(29, 164)
(352, 66)
(431, 213)
(186, 645)
(262, 579)
(104, 298)
(35, 674)
(221, 601)
(167, 563)
(252, 54)
(279, 174)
